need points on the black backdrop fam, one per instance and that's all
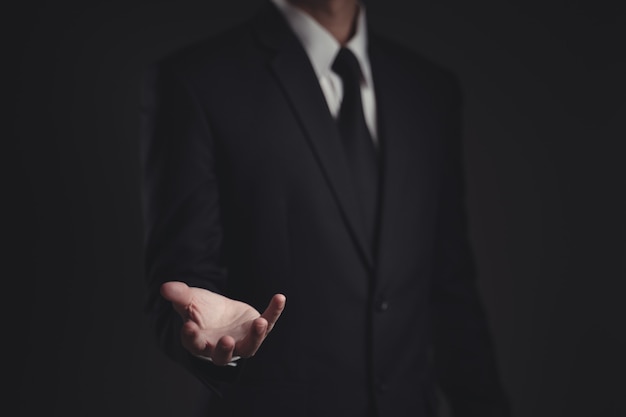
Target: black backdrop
(545, 130)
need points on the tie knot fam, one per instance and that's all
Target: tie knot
(346, 65)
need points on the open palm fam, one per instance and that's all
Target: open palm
(218, 327)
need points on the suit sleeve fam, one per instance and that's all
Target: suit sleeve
(464, 356)
(183, 233)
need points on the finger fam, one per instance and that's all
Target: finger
(179, 294)
(176, 292)
(223, 352)
(193, 340)
(251, 342)
(274, 310)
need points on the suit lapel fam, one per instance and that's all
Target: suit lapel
(406, 160)
(297, 78)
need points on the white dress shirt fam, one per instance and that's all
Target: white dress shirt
(322, 48)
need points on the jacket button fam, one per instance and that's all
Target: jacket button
(383, 305)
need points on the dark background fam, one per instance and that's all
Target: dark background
(545, 130)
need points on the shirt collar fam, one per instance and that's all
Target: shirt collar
(320, 46)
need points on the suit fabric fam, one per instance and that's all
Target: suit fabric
(247, 194)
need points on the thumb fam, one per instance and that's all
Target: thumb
(177, 292)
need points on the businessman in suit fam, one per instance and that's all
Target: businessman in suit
(306, 247)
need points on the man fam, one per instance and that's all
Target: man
(301, 167)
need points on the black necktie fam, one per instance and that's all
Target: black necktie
(360, 152)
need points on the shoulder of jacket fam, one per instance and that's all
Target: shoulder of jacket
(414, 62)
(208, 54)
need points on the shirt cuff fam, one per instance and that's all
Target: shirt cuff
(233, 361)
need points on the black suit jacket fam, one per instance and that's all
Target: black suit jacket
(247, 194)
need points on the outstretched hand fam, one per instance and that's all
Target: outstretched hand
(217, 327)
